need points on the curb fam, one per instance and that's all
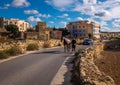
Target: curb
(59, 78)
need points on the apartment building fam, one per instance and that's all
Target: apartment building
(22, 25)
(81, 29)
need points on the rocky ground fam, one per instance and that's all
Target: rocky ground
(109, 63)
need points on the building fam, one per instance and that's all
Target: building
(41, 32)
(109, 35)
(21, 24)
(56, 34)
(81, 29)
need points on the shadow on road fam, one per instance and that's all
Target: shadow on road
(49, 52)
(68, 74)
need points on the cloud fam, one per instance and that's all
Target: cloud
(60, 4)
(103, 15)
(103, 23)
(43, 15)
(20, 3)
(68, 18)
(116, 23)
(115, 12)
(111, 27)
(105, 10)
(37, 14)
(63, 23)
(5, 6)
(32, 19)
(63, 16)
(16, 3)
(31, 12)
(79, 18)
(89, 2)
(51, 22)
(106, 29)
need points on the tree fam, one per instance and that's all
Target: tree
(90, 35)
(12, 29)
(64, 31)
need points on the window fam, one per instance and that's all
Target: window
(73, 26)
(79, 26)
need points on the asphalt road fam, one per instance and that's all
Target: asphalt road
(38, 68)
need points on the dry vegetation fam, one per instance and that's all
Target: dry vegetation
(109, 63)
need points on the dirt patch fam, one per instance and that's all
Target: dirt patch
(109, 63)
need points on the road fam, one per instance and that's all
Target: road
(38, 68)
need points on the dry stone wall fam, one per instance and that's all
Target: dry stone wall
(86, 72)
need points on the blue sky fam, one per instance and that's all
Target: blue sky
(60, 12)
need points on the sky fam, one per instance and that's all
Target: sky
(60, 12)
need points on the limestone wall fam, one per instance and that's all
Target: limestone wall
(86, 72)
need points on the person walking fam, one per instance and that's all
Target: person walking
(73, 42)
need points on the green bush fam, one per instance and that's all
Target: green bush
(32, 46)
(3, 55)
(13, 51)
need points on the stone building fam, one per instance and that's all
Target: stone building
(56, 34)
(109, 35)
(41, 32)
(21, 24)
(81, 29)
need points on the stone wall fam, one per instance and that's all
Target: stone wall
(86, 72)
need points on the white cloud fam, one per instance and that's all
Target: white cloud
(20, 3)
(89, 2)
(37, 14)
(79, 18)
(5, 6)
(106, 29)
(116, 23)
(115, 12)
(43, 15)
(108, 8)
(63, 23)
(63, 16)
(103, 23)
(51, 22)
(68, 19)
(60, 4)
(32, 19)
(103, 14)
(114, 27)
(16, 3)
(31, 12)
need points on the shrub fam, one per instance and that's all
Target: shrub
(79, 42)
(60, 44)
(13, 51)
(32, 46)
(3, 55)
(46, 45)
